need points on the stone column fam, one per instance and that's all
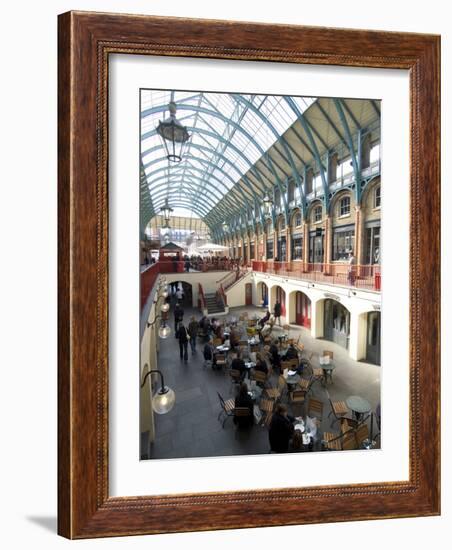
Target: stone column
(305, 244)
(288, 244)
(359, 248)
(358, 336)
(328, 248)
(248, 249)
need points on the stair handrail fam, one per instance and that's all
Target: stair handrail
(202, 298)
(221, 295)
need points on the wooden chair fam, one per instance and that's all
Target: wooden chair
(217, 342)
(259, 376)
(361, 434)
(236, 377)
(276, 393)
(241, 412)
(221, 359)
(267, 406)
(252, 322)
(349, 441)
(331, 441)
(315, 408)
(227, 408)
(327, 353)
(297, 396)
(338, 408)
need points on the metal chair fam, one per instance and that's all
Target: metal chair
(227, 408)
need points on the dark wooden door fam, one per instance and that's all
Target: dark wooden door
(248, 294)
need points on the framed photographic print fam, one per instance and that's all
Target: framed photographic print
(248, 275)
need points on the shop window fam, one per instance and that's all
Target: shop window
(297, 248)
(270, 250)
(343, 244)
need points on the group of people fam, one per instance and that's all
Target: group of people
(282, 435)
(185, 334)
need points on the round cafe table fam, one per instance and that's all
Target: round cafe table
(358, 405)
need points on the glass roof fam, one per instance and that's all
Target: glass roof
(241, 147)
(229, 133)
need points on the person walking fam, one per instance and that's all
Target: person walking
(277, 312)
(182, 334)
(179, 294)
(193, 328)
(351, 269)
(178, 317)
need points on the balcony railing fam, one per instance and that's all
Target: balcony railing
(358, 276)
(148, 278)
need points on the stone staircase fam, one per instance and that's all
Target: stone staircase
(213, 307)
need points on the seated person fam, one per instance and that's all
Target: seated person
(234, 337)
(266, 331)
(264, 319)
(243, 399)
(291, 353)
(281, 430)
(261, 364)
(219, 332)
(239, 364)
(275, 359)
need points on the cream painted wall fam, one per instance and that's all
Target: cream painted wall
(358, 302)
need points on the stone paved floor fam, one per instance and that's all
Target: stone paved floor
(191, 429)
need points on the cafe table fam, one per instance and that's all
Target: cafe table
(358, 405)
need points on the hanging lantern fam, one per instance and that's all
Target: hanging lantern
(267, 202)
(173, 134)
(166, 211)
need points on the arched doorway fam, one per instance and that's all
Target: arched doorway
(302, 310)
(182, 292)
(336, 323)
(279, 295)
(262, 294)
(373, 351)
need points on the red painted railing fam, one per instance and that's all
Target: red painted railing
(222, 294)
(360, 276)
(201, 298)
(148, 278)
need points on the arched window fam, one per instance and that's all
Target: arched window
(297, 219)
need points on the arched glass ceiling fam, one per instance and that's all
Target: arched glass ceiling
(241, 147)
(228, 135)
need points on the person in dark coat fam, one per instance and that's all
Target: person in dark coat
(261, 364)
(277, 312)
(274, 355)
(182, 334)
(178, 317)
(264, 319)
(291, 353)
(193, 328)
(243, 399)
(239, 364)
(281, 430)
